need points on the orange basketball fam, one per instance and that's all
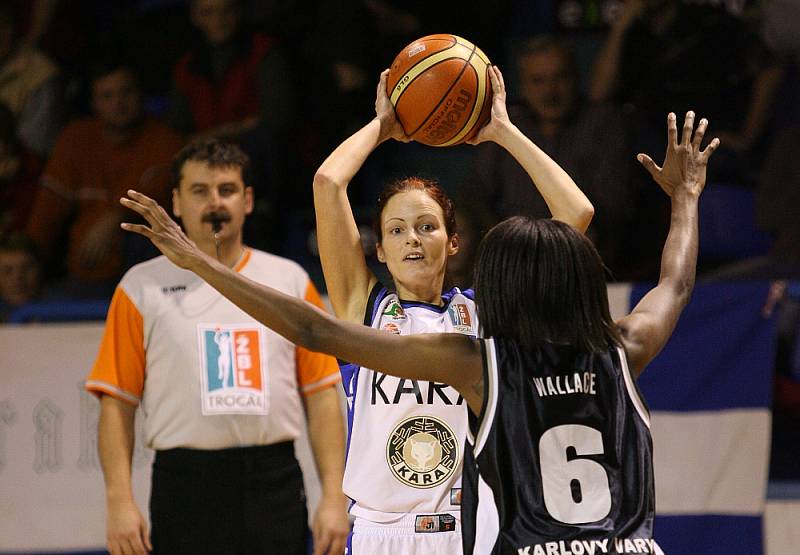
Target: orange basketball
(440, 89)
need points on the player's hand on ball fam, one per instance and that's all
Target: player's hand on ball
(390, 125)
(163, 232)
(685, 164)
(499, 114)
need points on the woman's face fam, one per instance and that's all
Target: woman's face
(415, 245)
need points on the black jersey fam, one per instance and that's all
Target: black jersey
(561, 458)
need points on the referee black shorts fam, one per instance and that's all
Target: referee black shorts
(240, 501)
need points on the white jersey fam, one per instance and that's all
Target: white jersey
(406, 437)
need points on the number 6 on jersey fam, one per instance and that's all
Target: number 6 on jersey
(591, 500)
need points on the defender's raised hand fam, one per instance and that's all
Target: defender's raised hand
(163, 232)
(684, 163)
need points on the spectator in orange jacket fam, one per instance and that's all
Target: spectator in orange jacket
(94, 161)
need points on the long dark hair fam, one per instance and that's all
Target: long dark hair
(539, 279)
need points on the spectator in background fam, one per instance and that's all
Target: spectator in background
(664, 55)
(29, 86)
(19, 176)
(778, 212)
(232, 81)
(778, 201)
(94, 162)
(586, 140)
(20, 274)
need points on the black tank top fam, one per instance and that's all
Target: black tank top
(561, 458)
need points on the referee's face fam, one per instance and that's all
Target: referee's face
(206, 193)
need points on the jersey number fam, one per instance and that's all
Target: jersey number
(575, 491)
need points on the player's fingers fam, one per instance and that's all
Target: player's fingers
(337, 545)
(315, 533)
(323, 539)
(142, 199)
(698, 135)
(688, 125)
(142, 210)
(162, 216)
(500, 79)
(318, 548)
(137, 546)
(125, 547)
(672, 129)
(494, 80)
(712, 146)
(648, 164)
(138, 228)
(154, 215)
(155, 209)
(146, 537)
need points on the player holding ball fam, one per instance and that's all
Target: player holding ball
(406, 437)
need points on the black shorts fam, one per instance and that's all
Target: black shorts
(241, 501)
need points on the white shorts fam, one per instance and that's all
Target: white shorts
(410, 535)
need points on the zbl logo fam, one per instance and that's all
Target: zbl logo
(232, 359)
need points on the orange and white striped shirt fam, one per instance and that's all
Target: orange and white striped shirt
(208, 376)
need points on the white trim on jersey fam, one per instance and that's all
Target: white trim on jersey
(470, 437)
(487, 520)
(111, 389)
(632, 392)
(491, 401)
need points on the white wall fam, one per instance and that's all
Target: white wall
(51, 486)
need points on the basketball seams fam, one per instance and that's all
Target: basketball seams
(447, 92)
(421, 60)
(421, 67)
(461, 132)
(477, 108)
(426, 108)
(444, 95)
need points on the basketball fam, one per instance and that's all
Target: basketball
(440, 89)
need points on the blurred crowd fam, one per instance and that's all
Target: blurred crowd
(96, 97)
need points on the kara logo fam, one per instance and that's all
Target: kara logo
(422, 452)
(233, 369)
(459, 315)
(171, 289)
(395, 311)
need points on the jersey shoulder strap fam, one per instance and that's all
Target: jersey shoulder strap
(379, 291)
(483, 423)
